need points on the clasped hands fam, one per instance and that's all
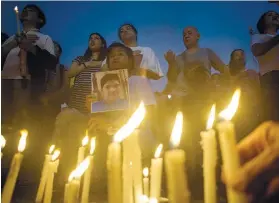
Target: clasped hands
(26, 41)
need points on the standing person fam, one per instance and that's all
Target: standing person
(248, 81)
(32, 51)
(265, 47)
(190, 71)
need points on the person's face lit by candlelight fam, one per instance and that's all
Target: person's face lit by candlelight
(118, 59)
(111, 88)
(237, 61)
(127, 33)
(191, 37)
(95, 42)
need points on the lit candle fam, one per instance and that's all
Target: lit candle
(14, 169)
(3, 143)
(175, 166)
(145, 173)
(52, 168)
(115, 192)
(72, 189)
(87, 175)
(17, 20)
(229, 152)
(169, 96)
(156, 173)
(81, 150)
(43, 180)
(209, 159)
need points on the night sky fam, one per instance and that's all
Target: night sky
(223, 25)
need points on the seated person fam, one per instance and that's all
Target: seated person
(111, 94)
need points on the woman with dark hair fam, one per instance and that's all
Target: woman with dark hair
(265, 47)
(81, 69)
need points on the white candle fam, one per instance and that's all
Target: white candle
(81, 150)
(114, 173)
(74, 181)
(66, 192)
(43, 180)
(156, 174)
(87, 175)
(2, 143)
(209, 146)
(131, 156)
(175, 166)
(229, 152)
(17, 20)
(52, 168)
(14, 170)
(145, 173)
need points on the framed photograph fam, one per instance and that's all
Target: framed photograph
(111, 91)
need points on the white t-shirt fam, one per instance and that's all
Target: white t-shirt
(269, 61)
(11, 67)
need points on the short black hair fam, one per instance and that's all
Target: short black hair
(103, 51)
(235, 50)
(261, 26)
(109, 77)
(127, 50)
(131, 25)
(40, 14)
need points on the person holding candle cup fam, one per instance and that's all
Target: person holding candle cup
(259, 171)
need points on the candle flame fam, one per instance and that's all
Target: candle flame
(3, 142)
(169, 96)
(16, 9)
(78, 172)
(211, 117)
(52, 147)
(144, 199)
(85, 140)
(71, 176)
(55, 155)
(229, 112)
(92, 145)
(177, 129)
(158, 151)
(145, 172)
(22, 140)
(131, 125)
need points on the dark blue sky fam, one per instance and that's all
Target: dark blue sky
(223, 25)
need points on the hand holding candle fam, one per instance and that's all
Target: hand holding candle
(229, 152)
(87, 175)
(52, 168)
(175, 166)
(209, 146)
(156, 174)
(3, 143)
(14, 169)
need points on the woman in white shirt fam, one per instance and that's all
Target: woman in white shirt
(265, 47)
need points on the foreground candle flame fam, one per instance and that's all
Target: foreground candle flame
(52, 147)
(158, 151)
(71, 176)
(82, 167)
(145, 172)
(55, 155)
(16, 9)
(211, 117)
(22, 140)
(85, 140)
(229, 112)
(144, 199)
(153, 200)
(169, 96)
(92, 145)
(177, 129)
(131, 125)
(3, 142)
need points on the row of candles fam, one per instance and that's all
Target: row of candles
(127, 182)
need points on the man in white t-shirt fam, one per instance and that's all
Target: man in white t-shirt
(27, 57)
(265, 47)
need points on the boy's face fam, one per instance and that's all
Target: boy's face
(127, 33)
(118, 59)
(30, 15)
(111, 91)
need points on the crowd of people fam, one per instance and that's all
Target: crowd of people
(38, 92)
